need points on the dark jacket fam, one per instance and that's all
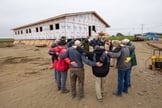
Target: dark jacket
(96, 42)
(98, 55)
(52, 54)
(132, 55)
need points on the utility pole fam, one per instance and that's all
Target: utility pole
(142, 29)
(133, 31)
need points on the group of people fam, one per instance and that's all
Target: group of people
(73, 57)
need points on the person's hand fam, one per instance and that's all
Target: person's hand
(106, 52)
(99, 64)
(58, 58)
(74, 46)
(57, 53)
(73, 63)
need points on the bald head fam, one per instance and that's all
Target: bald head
(77, 43)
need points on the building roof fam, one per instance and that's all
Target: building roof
(63, 16)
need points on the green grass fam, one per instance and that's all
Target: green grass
(6, 43)
(122, 37)
(2, 41)
(160, 36)
(126, 37)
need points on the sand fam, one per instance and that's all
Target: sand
(26, 81)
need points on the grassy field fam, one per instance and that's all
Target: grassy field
(160, 36)
(6, 43)
(2, 41)
(123, 37)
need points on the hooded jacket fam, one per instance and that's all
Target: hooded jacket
(98, 55)
(61, 65)
(121, 56)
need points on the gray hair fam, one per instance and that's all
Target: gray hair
(125, 41)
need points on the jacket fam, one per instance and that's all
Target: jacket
(122, 56)
(77, 57)
(96, 42)
(61, 65)
(132, 55)
(98, 55)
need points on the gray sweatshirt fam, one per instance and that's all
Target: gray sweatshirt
(121, 56)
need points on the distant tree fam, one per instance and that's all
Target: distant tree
(119, 34)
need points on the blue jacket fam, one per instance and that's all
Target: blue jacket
(96, 42)
(77, 57)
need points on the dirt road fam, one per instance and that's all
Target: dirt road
(27, 82)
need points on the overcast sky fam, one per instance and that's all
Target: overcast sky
(125, 16)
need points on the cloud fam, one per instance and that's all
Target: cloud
(126, 14)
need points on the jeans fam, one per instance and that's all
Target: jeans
(129, 76)
(122, 81)
(55, 75)
(61, 80)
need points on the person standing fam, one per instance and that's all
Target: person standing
(61, 66)
(52, 53)
(77, 72)
(100, 72)
(133, 59)
(53, 57)
(123, 66)
(96, 41)
(70, 42)
(108, 43)
(86, 44)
